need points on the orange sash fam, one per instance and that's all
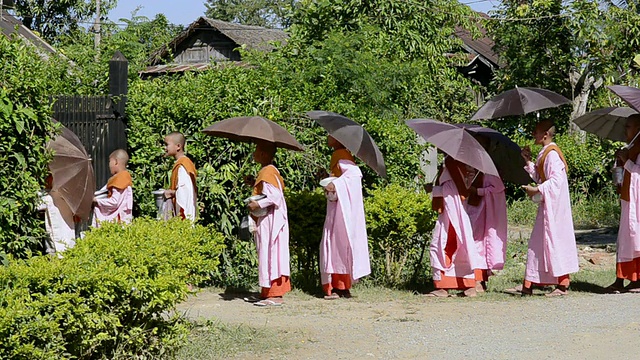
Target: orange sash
(268, 174)
(540, 164)
(120, 181)
(456, 169)
(626, 181)
(189, 167)
(340, 154)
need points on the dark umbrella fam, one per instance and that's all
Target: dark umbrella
(73, 179)
(629, 94)
(608, 123)
(252, 129)
(353, 136)
(455, 142)
(504, 153)
(519, 101)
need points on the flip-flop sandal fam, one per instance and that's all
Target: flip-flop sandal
(555, 293)
(435, 294)
(633, 291)
(513, 291)
(333, 296)
(252, 299)
(267, 302)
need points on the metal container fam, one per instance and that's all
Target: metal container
(159, 197)
(617, 175)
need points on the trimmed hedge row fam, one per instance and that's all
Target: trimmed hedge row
(112, 295)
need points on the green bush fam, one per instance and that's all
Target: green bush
(399, 221)
(25, 128)
(307, 211)
(111, 295)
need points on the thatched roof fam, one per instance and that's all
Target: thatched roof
(254, 37)
(10, 26)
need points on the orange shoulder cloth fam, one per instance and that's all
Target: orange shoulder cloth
(120, 181)
(626, 180)
(540, 164)
(188, 165)
(340, 154)
(456, 169)
(268, 174)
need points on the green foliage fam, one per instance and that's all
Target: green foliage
(239, 265)
(268, 13)
(109, 296)
(399, 221)
(25, 128)
(307, 211)
(51, 19)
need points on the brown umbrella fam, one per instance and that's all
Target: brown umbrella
(629, 94)
(72, 172)
(455, 142)
(253, 128)
(519, 101)
(353, 136)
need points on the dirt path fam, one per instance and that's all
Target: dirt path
(385, 324)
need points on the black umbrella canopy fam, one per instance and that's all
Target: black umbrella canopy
(353, 136)
(519, 101)
(504, 153)
(629, 94)
(608, 123)
(252, 129)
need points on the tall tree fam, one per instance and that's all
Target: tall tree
(267, 13)
(568, 47)
(54, 18)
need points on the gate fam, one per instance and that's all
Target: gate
(98, 121)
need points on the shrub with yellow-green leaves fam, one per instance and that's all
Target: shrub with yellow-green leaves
(111, 295)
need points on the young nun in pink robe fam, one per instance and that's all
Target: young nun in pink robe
(454, 255)
(118, 205)
(344, 250)
(272, 229)
(487, 210)
(552, 253)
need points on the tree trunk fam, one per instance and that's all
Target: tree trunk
(581, 85)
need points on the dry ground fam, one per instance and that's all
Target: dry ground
(386, 324)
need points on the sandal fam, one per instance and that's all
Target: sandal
(252, 299)
(556, 292)
(614, 290)
(437, 293)
(267, 302)
(333, 296)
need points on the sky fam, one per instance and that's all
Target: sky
(184, 12)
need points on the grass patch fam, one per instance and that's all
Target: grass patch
(589, 212)
(212, 339)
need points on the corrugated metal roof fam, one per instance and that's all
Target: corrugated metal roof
(10, 25)
(482, 46)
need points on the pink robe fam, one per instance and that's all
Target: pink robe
(272, 236)
(489, 223)
(628, 242)
(118, 207)
(466, 258)
(552, 246)
(344, 248)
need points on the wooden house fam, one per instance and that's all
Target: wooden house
(207, 40)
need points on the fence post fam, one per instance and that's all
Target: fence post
(118, 82)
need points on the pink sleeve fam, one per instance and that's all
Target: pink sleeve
(493, 185)
(437, 191)
(272, 194)
(110, 204)
(631, 167)
(531, 169)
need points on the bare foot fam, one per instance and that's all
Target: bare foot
(481, 286)
(438, 293)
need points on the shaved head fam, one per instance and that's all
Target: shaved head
(120, 155)
(546, 125)
(177, 138)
